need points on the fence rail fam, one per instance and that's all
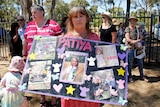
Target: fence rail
(152, 44)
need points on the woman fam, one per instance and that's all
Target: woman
(16, 42)
(78, 27)
(108, 32)
(39, 27)
(131, 35)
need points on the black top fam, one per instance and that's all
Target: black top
(105, 34)
(16, 46)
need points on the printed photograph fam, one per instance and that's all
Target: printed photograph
(106, 56)
(74, 67)
(44, 48)
(104, 82)
(40, 75)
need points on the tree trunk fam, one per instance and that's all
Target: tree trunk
(52, 8)
(127, 12)
(25, 5)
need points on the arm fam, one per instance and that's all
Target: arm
(114, 37)
(15, 37)
(24, 51)
(127, 35)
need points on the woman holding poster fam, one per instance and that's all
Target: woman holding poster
(78, 27)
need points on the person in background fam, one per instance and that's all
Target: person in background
(10, 95)
(16, 42)
(22, 27)
(39, 26)
(3, 34)
(64, 24)
(144, 33)
(108, 32)
(120, 33)
(78, 27)
(131, 35)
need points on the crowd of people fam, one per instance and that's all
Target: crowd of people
(75, 25)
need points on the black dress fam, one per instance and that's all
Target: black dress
(105, 34)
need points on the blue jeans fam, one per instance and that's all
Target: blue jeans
(130, 63)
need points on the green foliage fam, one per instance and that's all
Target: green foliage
(8, 11)
(83, 3)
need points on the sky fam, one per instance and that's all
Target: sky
(100, 10)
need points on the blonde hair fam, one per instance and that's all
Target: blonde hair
(73, 12)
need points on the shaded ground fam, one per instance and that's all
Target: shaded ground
(140, 93)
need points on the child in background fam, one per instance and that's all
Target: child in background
(11, 97)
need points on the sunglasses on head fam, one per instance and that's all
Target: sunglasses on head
(103, 17)
(20, 20)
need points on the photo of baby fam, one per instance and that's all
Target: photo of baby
(104, 83)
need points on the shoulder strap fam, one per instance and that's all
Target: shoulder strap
(137, 32)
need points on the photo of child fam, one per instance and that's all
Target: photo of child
(100, 57)
(106, 56)
(74, 68)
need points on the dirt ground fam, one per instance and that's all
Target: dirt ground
(140, 93)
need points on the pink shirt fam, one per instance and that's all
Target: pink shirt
(91, 36)
(79, 103)
(51, 28)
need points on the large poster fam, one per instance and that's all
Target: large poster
(77, 69)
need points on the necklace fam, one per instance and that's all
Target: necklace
(83, 35)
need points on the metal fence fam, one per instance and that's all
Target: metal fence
(152, 43)
(4, 41)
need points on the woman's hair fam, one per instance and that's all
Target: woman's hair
(37, 7)
(73, 12)
(76, 60)
(13, 28)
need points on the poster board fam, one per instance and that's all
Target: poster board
(77, 69)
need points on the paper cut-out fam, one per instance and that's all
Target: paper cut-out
(32, 56)
(91, 61)
(56, 67)
(121, 71)
(70, 90)
(84, 90)
(121, 56)
(120, 83)
(57, 87)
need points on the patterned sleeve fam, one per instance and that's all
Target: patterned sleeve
(127, 30)
(56, 28)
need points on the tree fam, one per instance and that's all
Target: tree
(25, 6)
(146, 5)
(79, 3)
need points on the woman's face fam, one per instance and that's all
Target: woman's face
(37, 14)
(79, 21)
(132, 22)
(74, 62)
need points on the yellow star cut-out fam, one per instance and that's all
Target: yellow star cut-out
(70, 90)
(32, 56)
(121, 71)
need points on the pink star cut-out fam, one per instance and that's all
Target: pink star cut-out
(120, 83)
(121, 71)
(84, 90)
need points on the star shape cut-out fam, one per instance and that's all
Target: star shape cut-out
(37, 38)
(32, 56)
(121, 71)
(70, 90)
